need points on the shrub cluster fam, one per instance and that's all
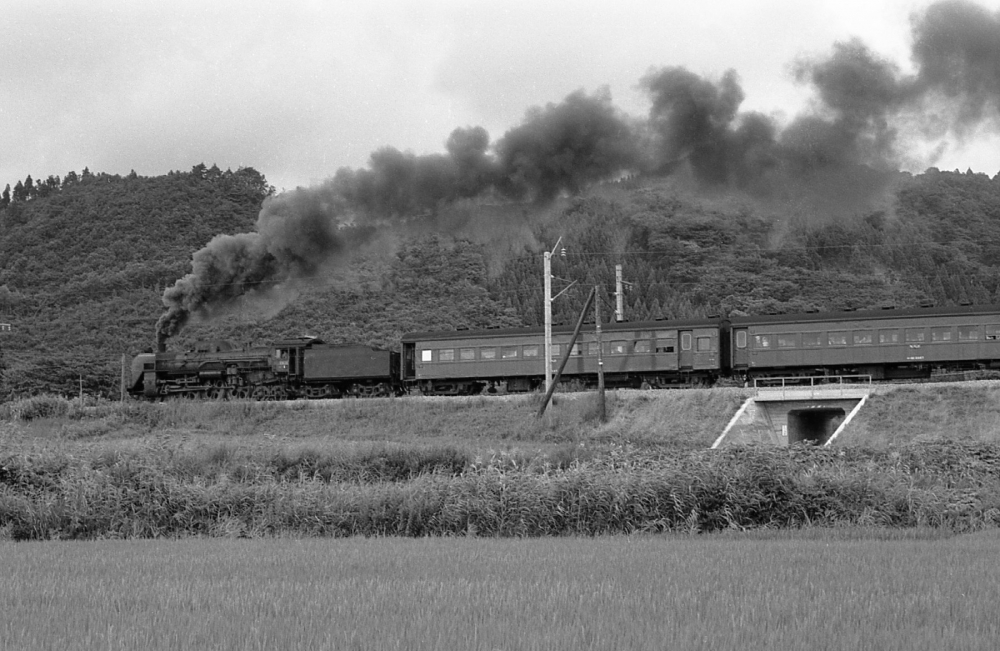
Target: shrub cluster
(950, 485)
(41, 406)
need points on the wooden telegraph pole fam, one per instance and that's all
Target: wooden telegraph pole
(601, 404)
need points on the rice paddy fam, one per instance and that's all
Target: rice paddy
(816, 589)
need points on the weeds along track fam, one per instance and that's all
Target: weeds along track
(166, 493)
(916, 457)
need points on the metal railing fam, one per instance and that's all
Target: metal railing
(812, 386)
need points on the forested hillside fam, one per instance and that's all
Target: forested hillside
(84, 263)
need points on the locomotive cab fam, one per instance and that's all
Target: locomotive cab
(287, 360)
(144, 375)
(288, 356)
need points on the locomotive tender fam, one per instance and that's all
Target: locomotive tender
(885, 344)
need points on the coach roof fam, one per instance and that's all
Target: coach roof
(867, 315)
(622, 326)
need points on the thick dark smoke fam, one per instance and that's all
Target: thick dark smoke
(565, 147)
(693, 120)
(402, 184)
(836, 157)
(863, 102)
(957, 48)
(299, 234)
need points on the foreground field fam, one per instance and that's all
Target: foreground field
(815, 589)
(377, 468)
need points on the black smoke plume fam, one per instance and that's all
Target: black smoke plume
(863, 104)
(565, 147)
(837, 156)
(299, 234)
(957, 48)
(400, 183)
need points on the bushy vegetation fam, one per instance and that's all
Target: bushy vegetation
(443, 492)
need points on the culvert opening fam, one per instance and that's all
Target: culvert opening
(814, 425)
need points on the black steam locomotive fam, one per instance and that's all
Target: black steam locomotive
(302, 367)
(884, 344)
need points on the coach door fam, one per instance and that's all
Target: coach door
(685, 359)
(741, 358)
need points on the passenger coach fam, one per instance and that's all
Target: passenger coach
(886, 344)
(635, 354)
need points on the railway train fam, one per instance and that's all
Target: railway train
(885, 344)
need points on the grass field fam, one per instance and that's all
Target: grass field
(479, 466)
(808, 589)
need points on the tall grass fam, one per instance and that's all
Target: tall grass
(947, 485)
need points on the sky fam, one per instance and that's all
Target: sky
(300, 88)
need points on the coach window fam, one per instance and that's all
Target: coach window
(992, 332)
(427, 356)
(741, 338)
(704, 344)
(576, 352)
(888, 336)
(914, 335)
(786, 341)
(617, 348)
(508, 352)
(837, 338)
(685, 341)
(968, 333)
(642, 347)
(446, 355)
(940, 334)
(557, 350)
(762, 341)
(863, 337)
(531, 350)
(592, 349)
(467, 354)
(670, 345)
(488, 353)
(811, 339)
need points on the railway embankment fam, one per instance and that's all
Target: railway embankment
(895, 414)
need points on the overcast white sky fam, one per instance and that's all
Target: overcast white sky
(299, 88)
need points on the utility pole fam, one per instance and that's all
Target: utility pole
(547, 279)
(601, 403)
(619, 302)
(4, 329)
(548, 317)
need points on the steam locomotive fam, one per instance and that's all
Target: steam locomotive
(302, 367)
(909, 343)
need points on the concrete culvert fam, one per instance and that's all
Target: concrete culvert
(813, 425)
